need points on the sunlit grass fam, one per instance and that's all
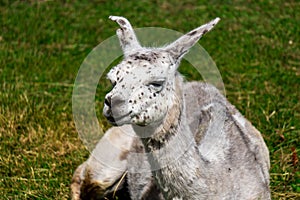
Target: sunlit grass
(42, 44)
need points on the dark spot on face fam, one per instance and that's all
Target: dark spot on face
(192, 33)
(118, 72)
(138, 56)
(129, 62)
(142, 93)
(154, 95)
(134, 101)
(154, 55)
(130, 38)
(130, 101)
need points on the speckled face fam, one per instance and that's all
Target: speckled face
(144, 82)
(142, 88)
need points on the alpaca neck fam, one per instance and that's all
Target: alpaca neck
(162, 134)
(171, 138)
(157, 135)
(172, 152)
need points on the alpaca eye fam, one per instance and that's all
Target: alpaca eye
(157, 85)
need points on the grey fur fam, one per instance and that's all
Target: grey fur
(194, 144)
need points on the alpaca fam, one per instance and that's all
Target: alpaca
(93, 179)
(192, 143)
(226, 158)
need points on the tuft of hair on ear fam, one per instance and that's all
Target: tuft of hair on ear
(181, 46)
(126, 35)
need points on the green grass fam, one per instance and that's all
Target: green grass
(42, 44)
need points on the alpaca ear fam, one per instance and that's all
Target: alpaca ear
(182, 45)
(126, 35)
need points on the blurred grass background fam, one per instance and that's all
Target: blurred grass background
(42, 44)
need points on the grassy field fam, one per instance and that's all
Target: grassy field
(42, 44)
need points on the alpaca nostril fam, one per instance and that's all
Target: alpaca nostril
(113, 102)
(107, 101)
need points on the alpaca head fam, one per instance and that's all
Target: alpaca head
(144, 83)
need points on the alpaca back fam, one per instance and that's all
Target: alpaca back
(226, 138)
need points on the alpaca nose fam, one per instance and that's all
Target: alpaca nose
(113, 101)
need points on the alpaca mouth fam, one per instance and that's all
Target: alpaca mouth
(117, 120)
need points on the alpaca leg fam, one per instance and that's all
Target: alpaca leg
(103, 173)
(76, 181)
